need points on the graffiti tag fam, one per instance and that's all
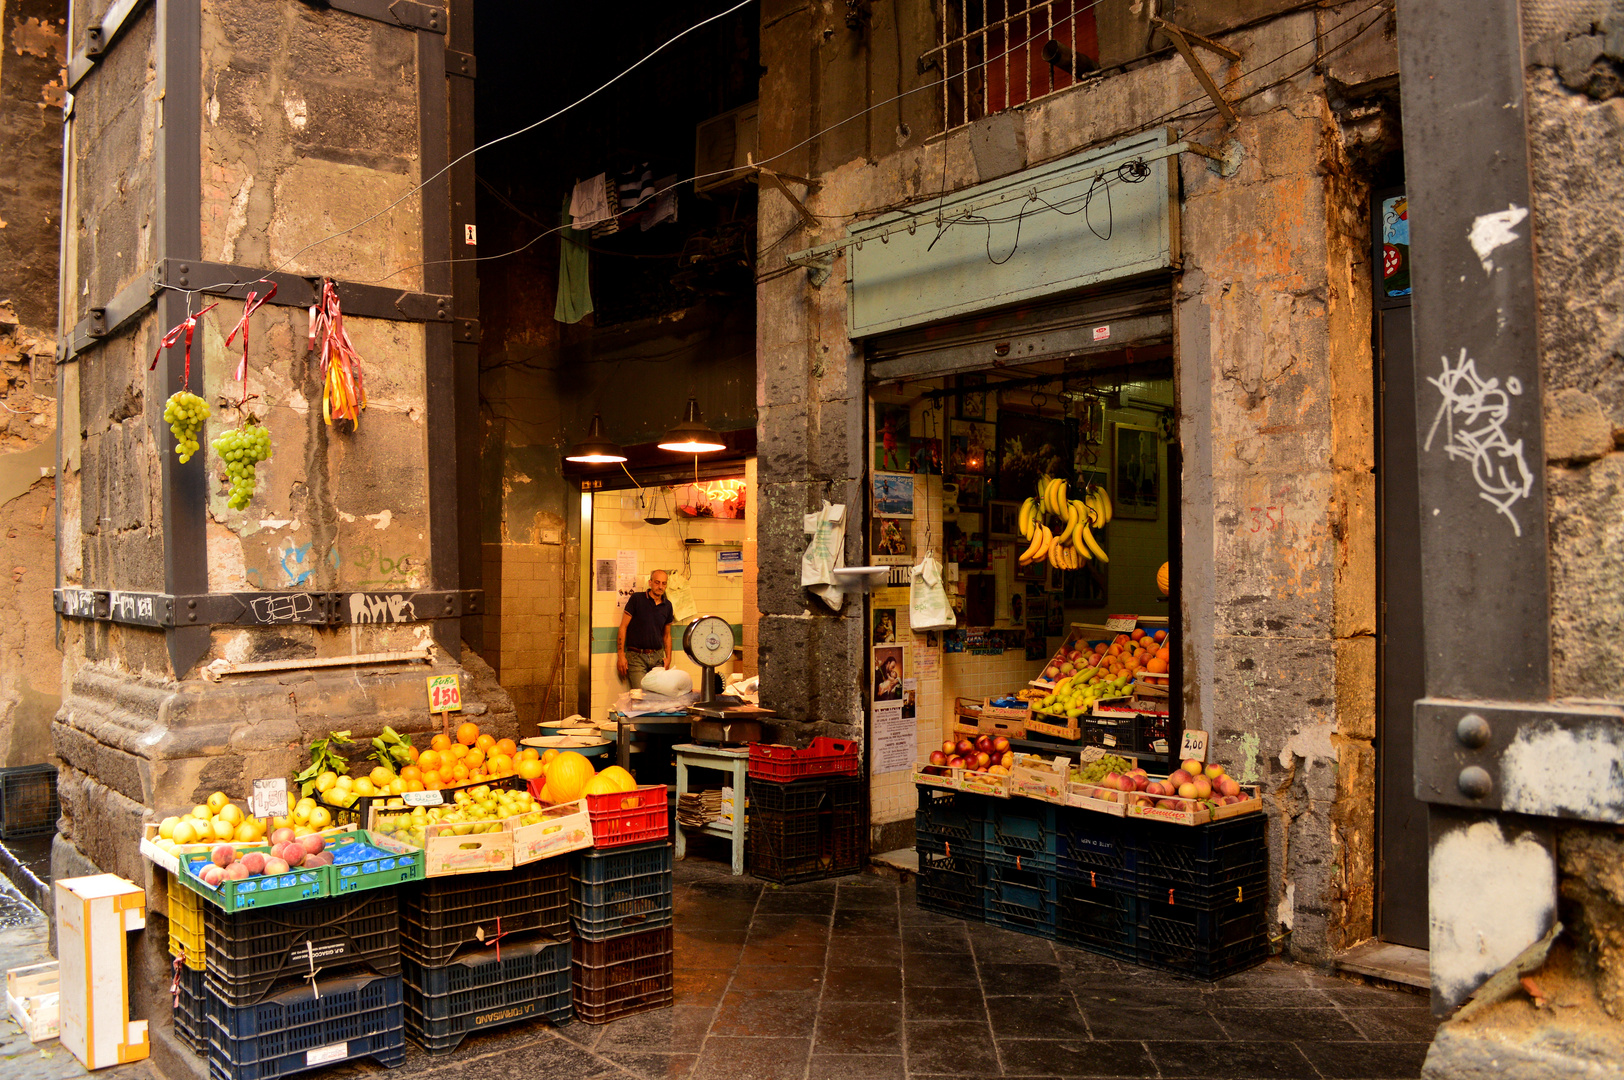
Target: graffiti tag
(1474, 413)
(79, 603)
(393, 608)
(282, 609)
(127, 607)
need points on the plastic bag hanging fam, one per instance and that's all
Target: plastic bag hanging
(825, 552)
(928, 605)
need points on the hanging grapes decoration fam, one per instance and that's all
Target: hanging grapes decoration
(242, 449)
(184, 412)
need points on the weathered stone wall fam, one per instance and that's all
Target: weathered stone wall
(1275, 409)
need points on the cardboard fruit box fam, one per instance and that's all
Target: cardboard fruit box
(1096, 797)
(446, 852)
(550, 830)
(1180, 811)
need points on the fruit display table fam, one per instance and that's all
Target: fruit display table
(735, 761)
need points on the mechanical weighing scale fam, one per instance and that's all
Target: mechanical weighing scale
(708, 641)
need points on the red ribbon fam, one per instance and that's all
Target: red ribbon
(187, 326)
(252, 303)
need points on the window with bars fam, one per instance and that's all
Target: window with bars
(997, 54)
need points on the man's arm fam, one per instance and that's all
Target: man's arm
(620, 645)
(668, 646)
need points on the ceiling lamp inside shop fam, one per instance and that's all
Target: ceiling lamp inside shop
(693, 435)
(596, 449)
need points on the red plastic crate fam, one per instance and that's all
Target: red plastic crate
(825, 757)
(637, 816)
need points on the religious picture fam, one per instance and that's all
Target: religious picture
(1055, 623)
(972, 395)
(888, 662)
(970, 448)
(1138, 473)
(966, 541)
(1029, 447)
(885, 626)
(893, 437)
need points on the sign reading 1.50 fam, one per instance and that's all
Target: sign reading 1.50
(445, 694)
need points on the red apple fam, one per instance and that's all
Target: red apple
(955, 762)
(984, 744)
(964, 747)
(982, 761)
(1000, 745)
(938, 758)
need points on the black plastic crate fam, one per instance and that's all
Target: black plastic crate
(1209, 944)
(1023, 830)
(189, 997)
(488, 989)
(307, 1027)
(953, 885)
(1094, 848)
(1022, 898)
(28, 801)
(620, 890)
(1096, 918)
(1137, 734)
(843, 793)
(1220, 862)
(248, 953)
(444, 916)
(788, 848)
(949, 822)
(623, 975)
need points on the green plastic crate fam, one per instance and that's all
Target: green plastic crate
(256, 892)
(395, 863)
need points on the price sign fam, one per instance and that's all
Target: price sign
(1121, 624)
(270, 798)
(445, 694)
(1193, 745)
(422, 798)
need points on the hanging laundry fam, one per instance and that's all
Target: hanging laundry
(589, 204)
(611, 224)
(636, 184)
(574, 279)
(664, 205)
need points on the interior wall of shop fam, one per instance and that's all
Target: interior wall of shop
(1272, 318)
(33, 47)
(541, 381)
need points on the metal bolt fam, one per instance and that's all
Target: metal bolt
(1475, 782)
(1473, 731)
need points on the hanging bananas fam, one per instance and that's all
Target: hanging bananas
(1070, 541)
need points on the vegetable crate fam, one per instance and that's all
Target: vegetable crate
(249, 953)
(359, 812)
(953, 885)
(487, 989)
(1023, 898)
(443, 917)
(367, 860)
(308, 1026)
(623, 975)
(191, 1016)
(185, 923)
(1097, 918)
(824, 757)
(1201, 866)
(620, 891)
(28, 801)
(949, 823)
(1206, 943)
(1095, 849)
(806, 830)
(629, 817)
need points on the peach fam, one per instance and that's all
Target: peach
(255, 862)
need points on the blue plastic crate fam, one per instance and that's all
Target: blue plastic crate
(952, 885)
(1094, 848)
(1022, 898)
(307, 1027)
(1096, 918)
(620, 891)
(530, 981)
(1021, 829)
(955, 815)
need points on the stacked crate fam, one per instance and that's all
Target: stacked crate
(1021, 844)
(621, 908)
(808, 812)
(1202, 895)
(483, 950)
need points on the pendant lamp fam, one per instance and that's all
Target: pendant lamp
(596, 449)
(693, 435)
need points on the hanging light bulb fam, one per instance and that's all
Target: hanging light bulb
(596, 449)
(693, 435)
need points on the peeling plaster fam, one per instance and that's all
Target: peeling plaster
(297, 114)
(1251, 757)
(1487, 926)
(236, 220)
(1312, 744)
(380, 519)
(1490, 232)
(1286, 913)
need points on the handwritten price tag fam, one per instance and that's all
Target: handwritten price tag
(1193, 745)
(445, 694)
(422, 798)
(270, 798)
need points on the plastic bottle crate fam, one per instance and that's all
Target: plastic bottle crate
(1209, 944)
(788, 848)
(953, 885)
(442, 916)
(191, 1015)
(28, 801)
(1097, 918)
(186, 937)
(620, 818)
(623, 975)
(1201, 865)
(1021, 829)
(825, 756)
(620, 891)
(1023, 899)
(487, 989)
(1094, 848)
(307, 1027)
(248, 953)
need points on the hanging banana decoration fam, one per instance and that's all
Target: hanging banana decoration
(1069, 542)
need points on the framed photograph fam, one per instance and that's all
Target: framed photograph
(970, 448)
(972, 492)
(1086, 587)
(972, 397)
(885, 626)
(965, 539)
(926, 455)
(1037, 646)
(1091, 422)
(893, 495)
(1054, 623)
(891, 541)
(1017, 609)
(889, 661)
(1032, 572)
(893, 437)
(1030, 446)
(1003, 520)
(1137, 471)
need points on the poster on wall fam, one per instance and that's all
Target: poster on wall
(604, 575)
(1396, 246)
(885, 626)
(927, 456)
(1085, 587)
(1029, 447)
(893, 437)
(893, 495)
(965, 541)
(1138, 473)
(891, 542)
(1054, 623)
(893, 740)
(910, 698)
(1037, 646)
(889, 661)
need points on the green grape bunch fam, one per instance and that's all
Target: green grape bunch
(185, 412)
(241, 449)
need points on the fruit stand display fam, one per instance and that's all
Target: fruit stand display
(1108, 687)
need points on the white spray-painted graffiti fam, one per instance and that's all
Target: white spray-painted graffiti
(127, 607)
(1474, 413)
(393, 608)
(283, 609)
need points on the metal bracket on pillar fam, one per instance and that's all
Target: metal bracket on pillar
(759, 173)
(1183, 39)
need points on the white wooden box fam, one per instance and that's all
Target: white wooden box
(93, 915)
(32, 997)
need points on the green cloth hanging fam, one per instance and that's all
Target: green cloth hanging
(574, 284)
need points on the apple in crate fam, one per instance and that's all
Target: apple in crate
(938, 758)
(984, 744)
(955, 762)
(964, 748)
(1193, 767)
(1227, 787)
(1000, 745)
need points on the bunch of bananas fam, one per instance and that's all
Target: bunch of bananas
(1074, 543)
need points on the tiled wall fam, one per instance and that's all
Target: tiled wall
(531, 608)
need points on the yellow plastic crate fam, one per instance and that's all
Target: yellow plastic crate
(185, 923)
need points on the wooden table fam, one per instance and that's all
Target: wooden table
(722, 759)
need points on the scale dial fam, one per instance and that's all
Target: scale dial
(709, 641)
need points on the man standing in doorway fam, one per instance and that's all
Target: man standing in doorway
(645, 632)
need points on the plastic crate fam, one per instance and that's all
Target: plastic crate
(825, 756)
(620, 891)
(638, 816)
(1097, 918)
(28, 801)
(358, 813)
(788, 848)
(249, 953)
(307, 1027)
(952, 885)
(359, 863)
(1023, 899)
(444, 916)
(949, 822)
(191, 1019)
(839, 794)
(1201, 865)
(488, 989)
(1208, 944)
(254, 893)
(1095, 848)
(1021, 831)
(185, 923)
(1129, 733)
(623, 975)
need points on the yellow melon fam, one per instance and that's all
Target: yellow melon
(602, 784)
(568, 775)
(622, 779)
(1162, 581)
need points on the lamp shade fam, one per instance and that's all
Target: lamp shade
(693, 435)
(595, 449)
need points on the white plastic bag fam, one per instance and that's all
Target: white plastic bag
(928, 606)
(825, 552)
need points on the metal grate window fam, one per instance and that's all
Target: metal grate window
(997, 54)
